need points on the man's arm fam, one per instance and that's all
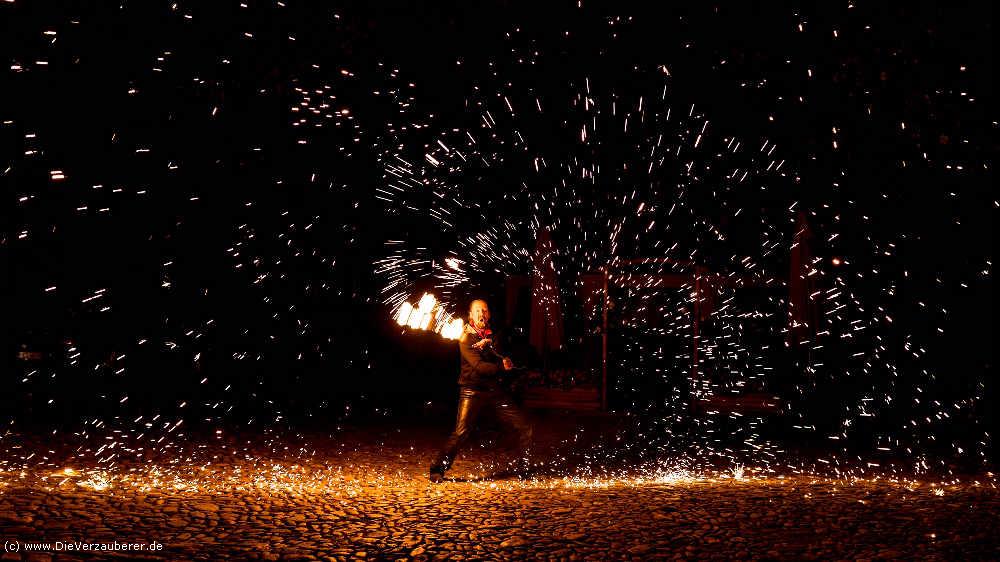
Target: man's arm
(474, 358)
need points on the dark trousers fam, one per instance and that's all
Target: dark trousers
(471, 401)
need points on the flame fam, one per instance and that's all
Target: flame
(426, 302)
(453, 330)
(404, 313)
(429, 314)
(419, 317)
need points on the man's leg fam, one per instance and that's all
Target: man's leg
(468, 409)
(514, 417)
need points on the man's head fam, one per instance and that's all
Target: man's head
(479, 313)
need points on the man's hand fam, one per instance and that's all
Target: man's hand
(482, 343)
(507, 364)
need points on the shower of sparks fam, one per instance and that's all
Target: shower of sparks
(639, 187)
(307, 476)
(690, 221)
(739, 472)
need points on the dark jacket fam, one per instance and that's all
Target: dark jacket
(480, 368)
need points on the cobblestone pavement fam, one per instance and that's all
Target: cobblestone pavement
(373, 501)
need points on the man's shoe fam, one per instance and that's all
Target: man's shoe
(436, 475)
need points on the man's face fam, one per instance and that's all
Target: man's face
(479, 314)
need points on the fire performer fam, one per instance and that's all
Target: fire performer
(479, 385)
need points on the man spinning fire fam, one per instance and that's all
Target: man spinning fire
(479, 381)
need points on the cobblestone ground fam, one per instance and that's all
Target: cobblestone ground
(349, 501)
